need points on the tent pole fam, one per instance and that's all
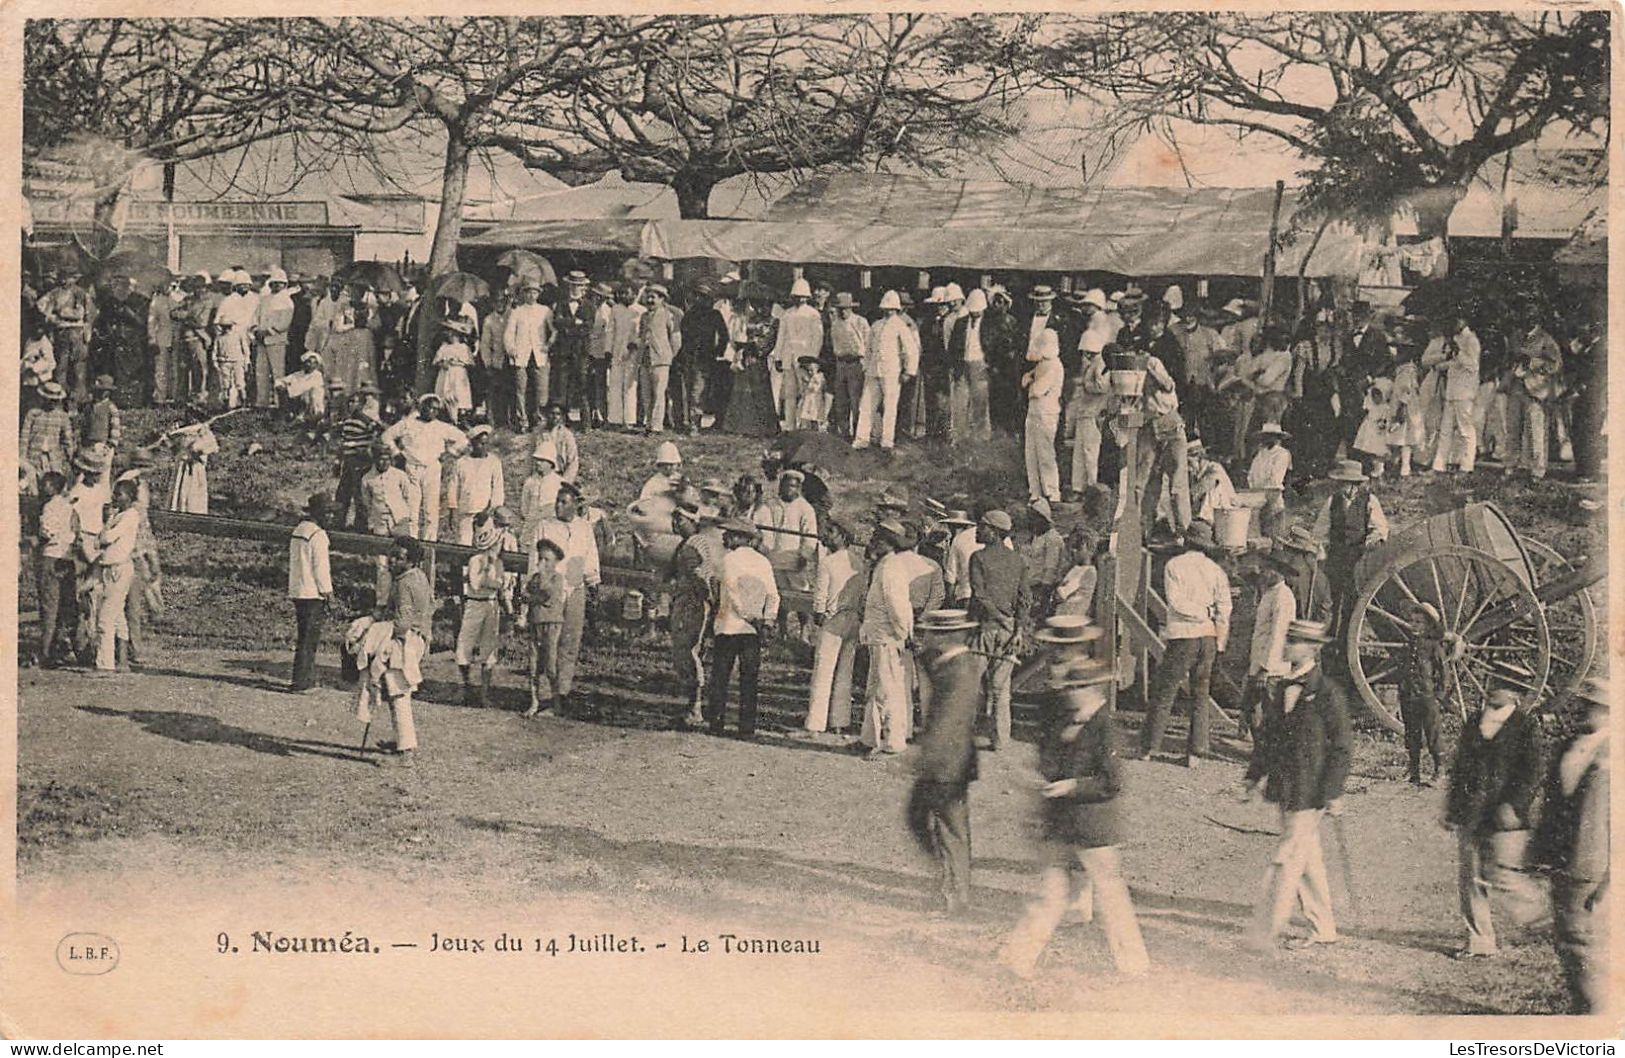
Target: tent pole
(1267, 298)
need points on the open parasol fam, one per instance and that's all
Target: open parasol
(525, 265)
(374, 274)
(460, 286)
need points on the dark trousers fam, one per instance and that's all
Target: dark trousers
(58, 592)
(848, 396)
(725, 650)
(1184, 657)
(310, 615)
(687, 394)
(939, 818)
(564, 386)
(597, 392)
(1339, 569)
(1419, 710)
(351, 470)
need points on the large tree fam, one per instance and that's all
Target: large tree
(104, 98)
(704, 101)
(465, 80)
(1389, 109)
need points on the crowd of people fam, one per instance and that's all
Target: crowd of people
(939, 613)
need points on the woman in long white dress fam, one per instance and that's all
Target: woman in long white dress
(192, 444)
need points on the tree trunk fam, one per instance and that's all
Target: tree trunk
(443, 253)
(1433, 207)
(693, 194)
(104, 226)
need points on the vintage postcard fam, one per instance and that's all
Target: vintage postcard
(872, 521)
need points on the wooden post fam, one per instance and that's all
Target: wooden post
(1267, 296)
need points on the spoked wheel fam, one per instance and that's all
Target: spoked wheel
(1573, 622)
(1495, 632)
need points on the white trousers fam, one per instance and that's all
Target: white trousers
(1297, 874)
(652, 385)
(427, 524)
(110, 620)
(829, 703)
(623, 391)
(1458, 436)
(1101, 891)
(888, 714)
(879, 395)
(1043, 476)
(788, 396)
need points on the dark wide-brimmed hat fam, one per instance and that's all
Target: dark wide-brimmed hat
(1199, 534)
(104, 383)
(843, 300)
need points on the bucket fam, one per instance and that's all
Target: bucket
(632, 606)
(1230, 526)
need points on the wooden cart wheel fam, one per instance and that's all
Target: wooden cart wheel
(1573, 622)
(1471, 590)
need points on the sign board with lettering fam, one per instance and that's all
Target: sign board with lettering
(188, 214)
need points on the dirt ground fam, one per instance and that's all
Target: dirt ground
(205, 772)
(200, 788)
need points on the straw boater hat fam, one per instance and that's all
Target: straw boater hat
(957, 516)
(1069, 630)
(843, 300)
(1041, 292)
(52, 391)
(1305, 631)
(1347, 470)
(603, 290)
(945, 621)
(575, 278)
(1271, 429)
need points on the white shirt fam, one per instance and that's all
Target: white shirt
(894, 349)
(1198, 594)
(1269, 467)
(1038, 325)
(1271, 369)
(746, 592)
(798, 515)
(833, 574)
(391, 497)
(525, 338)
(1213, 491)
(888, 615)
(956, 574)
(1460, 370)
(1277, 608)
(801, 333)
(580, 546)
(476, 484)
(87, 502)
(536, 499)
(659, 484)
(973, 340)
(425, 442)
(238, 310)
(623, 328)
(117, 540)
(308, 574)
(1044, 392)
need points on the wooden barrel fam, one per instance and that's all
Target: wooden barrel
(1480, 525)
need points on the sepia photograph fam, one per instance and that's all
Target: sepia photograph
(554, 525)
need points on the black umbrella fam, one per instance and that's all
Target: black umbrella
(374, 274)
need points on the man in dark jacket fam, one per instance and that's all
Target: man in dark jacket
(945, 761)
(572, 316)
(1082, 822)
(1301, 759)
(1573, 840)
(1492, 789)
(705, 336)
